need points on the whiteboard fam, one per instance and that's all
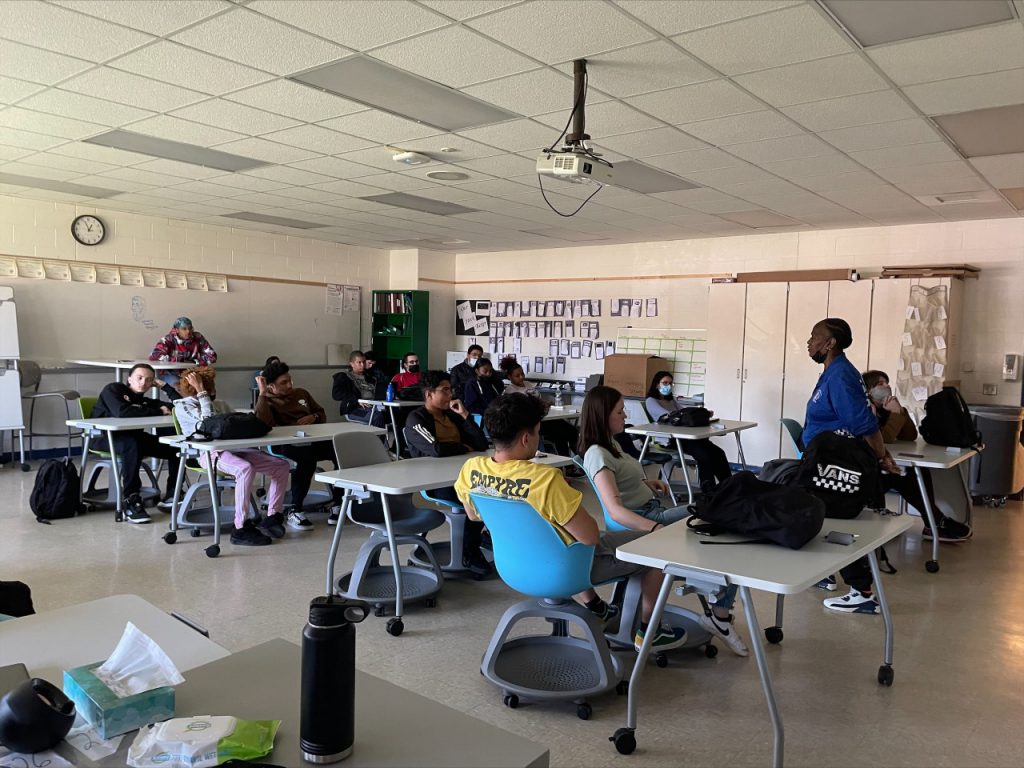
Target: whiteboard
(9, 347)
(66, 321)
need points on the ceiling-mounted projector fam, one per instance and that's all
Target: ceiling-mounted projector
(411, 158)
(576, 168)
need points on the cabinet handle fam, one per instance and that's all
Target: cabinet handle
(744, 374)
(737, 373)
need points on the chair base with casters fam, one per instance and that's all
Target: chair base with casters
(198, 518)
(95, 498)
(447, 553)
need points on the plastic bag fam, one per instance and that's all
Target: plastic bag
(201, 742)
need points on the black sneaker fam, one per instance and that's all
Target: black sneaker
(135, 512)
(249, 536)
(950, 531)
(273, 526)
(335, 515)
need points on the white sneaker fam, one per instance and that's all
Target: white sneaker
(724, 631)
(299, 522)
(853, 602)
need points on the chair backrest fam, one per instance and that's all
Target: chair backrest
(593, 380)
(528, 552)
(609, 522)
(795, 432)
(88, 403)
(359, 449)
(30, 374)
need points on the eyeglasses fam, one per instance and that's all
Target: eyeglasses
(443, 390)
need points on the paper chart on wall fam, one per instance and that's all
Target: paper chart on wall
(8, 267)
(563, 347)
(560, 366)
(108, 275)
(599, 350)
(588, 348)
(83, 273)
(549, 365)
(575, 350)
(517, 345)
(57, 270)
(31, 269)
(195, 282)
(351, 296)
(553, 347)
(176, 280)
(154, 278)
(131, 276)
(332, 299)
(636, 308)
(652, 308)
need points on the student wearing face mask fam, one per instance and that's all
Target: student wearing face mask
(410, 375)
(896, 424)
(712, 463)
(483, 390)
(464, 373)
(560, 436)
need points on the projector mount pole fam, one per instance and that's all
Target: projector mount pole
(579, 100)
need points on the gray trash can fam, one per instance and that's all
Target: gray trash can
(998, 471)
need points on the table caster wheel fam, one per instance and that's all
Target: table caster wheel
(661, 660)
(932, 566)
(622, 688)
(170, 537)
(885, 675)
(378, 610)
(25, 467)
(511, 701)
(213, 550)
(430, 602)
(395, 627)
(624, 741)
(710, 650)
(773, 635)
(195, 533)
(584, 711)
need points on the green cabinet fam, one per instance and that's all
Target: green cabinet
(401, 323)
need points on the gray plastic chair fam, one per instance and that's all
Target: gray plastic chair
(795, 432)
(31, 376)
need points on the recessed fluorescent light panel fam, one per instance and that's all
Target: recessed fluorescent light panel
(983, 132)
(874, 23)
(638, 177)
(175, 150)
(52, 185)
(415, 203)
(279, 221)
(393, 90)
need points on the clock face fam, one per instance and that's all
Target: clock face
(88, 230)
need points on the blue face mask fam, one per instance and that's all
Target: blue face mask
(665, 389)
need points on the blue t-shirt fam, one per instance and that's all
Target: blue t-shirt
(839, 402)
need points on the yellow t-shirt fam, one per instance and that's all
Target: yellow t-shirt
(543, 487)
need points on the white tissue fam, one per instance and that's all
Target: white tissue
(137, 664)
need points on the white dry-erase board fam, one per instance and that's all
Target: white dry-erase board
(10, 349)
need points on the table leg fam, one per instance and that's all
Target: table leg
(394, 428)
(686, 472)
(739, 450)
(643, 450)
(885, 674)
(346, 503)
(86, 437)
(393, 548)
(766, 680)
(969, 517)
(645, 650)
(115, 472)
(932, 566)
(176, 501)
(21, 448)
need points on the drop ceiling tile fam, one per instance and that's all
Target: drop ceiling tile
(783, 37)
(643, 68)
(813, 80)
(66, 163)
(863, 109)
(500, 166)
(175, 168)
(696, 160)
(798, 168)
(178, 65)
(232, 184)
(11, 90)
(859, 179)
(554, 32)
(39, 171)
(942, 185)
(317, 139)
(157, 17)
(27, 140)
(466, 9)
(215, 188)
(895, 134)
(399, 182)
(723, 204)
(259, 42)
(126, 88)
(906, 173)
(957, 54)
(289, 175)
(106, 182)
(232, 116)
(185, 131)
(269, 151)
(13, 153)
(736, 174)
(76, 106)
(718, 98)
(101, 154)
(787, 148)
(531, 93)
(737, 129)
(357, 24)
(1003, 171)
(300, 102)
(64, 31)
(448, 147)
(53, 125)
(998, 89)
(914, 154)
(142, 177)
(37, 66)
(351, 189)
(673, 18)
(514, 136)
(659, 141)
(454, 56)
(379, 127)
(334, 167)
(607, 119)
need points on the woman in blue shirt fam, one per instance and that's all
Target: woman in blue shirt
(839, 402)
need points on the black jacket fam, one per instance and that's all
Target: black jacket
(421, 435)
(119, 401)
(346, 392)
(479, 394)
(462, 374)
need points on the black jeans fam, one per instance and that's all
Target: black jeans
(306, 458)
(560, 436)
(906, 486)
(370, 415)
(132, 447)
(712, 464)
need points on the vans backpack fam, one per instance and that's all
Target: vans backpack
(693, 416)
(55, 494)
(842, 471)
(948, 421)
(232, 426)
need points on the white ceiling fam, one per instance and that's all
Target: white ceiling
(768, 105)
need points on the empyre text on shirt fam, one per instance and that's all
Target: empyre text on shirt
(503, 486)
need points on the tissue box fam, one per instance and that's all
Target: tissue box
(106, 711)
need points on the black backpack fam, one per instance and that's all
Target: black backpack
(55, 494)
(687, 417)
(232, 426)
(742, 504)
(842, 471)
(948, 422)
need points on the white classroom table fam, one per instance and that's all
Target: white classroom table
(392, 406)
(565, 412)
(679, 434)
(191, 449)
(126, 365)
(920, 455)
(681, 554)
(94, 428)
(396, 479)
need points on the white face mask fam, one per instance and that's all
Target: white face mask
(881, 393)
(471, 361)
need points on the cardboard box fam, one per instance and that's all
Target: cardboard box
(109, 713)
(632, 374)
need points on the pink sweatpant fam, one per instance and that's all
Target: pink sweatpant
(244, 465)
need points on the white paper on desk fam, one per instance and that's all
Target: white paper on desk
(87, 740)
(137, 665)
(920, 393)
(49, 758)
(940, 342)
(907, 340)
(915, 369)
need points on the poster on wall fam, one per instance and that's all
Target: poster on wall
(472, 317)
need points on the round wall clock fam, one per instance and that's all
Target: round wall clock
(88, 230)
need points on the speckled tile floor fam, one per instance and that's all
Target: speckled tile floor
(957, 700)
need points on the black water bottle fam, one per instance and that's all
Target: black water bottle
(327, 727)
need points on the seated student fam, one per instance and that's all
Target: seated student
(443, 427)
(896, 424)
(373, 370)
(631, 499)
(410, 374)
(464, 373)
(482, 390)
(712, 464)
(513, 422)
(127, 401)
(282, 405)
(255, 388)
(560, 434)
(198, 400)
(352, 385)
(182, 345)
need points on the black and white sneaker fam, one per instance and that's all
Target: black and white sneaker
(298, 521)
(135, 511)
(166, 504)
(332, 519)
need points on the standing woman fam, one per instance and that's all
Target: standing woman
(712, 464)
(840, 403)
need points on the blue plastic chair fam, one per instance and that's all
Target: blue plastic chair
(532, 559)
(447, 553)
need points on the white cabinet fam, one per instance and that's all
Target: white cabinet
(808, 304)
(723, 386)
(852, 302)
(888, 315)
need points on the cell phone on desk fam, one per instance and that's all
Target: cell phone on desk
(840, 537)
(911, 455)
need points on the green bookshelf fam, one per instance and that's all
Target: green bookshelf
(401, 323)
